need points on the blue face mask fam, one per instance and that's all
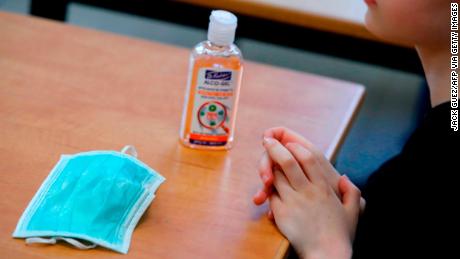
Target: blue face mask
(96, 196)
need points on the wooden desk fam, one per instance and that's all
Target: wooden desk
(65, 89)
(338, 16)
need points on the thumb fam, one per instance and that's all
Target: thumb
(351, 196)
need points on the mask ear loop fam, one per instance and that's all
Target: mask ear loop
(129, 150)
(53, 240)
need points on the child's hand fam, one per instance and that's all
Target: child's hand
(284, 136)
(317, 222)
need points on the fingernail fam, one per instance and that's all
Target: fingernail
(268, 141)
(346, 177)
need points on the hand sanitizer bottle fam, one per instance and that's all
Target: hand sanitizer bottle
(213, 87)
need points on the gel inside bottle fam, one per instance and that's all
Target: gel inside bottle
(214, 81)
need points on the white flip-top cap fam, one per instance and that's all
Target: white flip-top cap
(222, 27)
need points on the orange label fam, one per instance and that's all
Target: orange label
(210, 104)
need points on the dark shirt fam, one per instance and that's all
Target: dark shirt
(412, 198)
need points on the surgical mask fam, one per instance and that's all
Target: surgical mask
(95, 197)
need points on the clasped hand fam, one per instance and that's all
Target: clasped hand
(314, 207)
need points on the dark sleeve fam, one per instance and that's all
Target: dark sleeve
(411, 199)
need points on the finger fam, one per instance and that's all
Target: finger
(281, 184)
(329, 173)
(351, 196)
(308, 162)
(283, 135)
(266, 175)
(265, 170)
(262, 195)
(291, 168)
(286, 135)
(278, 133)
(275, 205)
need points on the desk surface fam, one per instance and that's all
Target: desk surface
(337, 16)
(65, 89)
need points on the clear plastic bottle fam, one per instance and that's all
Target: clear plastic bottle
(213, 87)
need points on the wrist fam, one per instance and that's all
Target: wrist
(335, 251)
